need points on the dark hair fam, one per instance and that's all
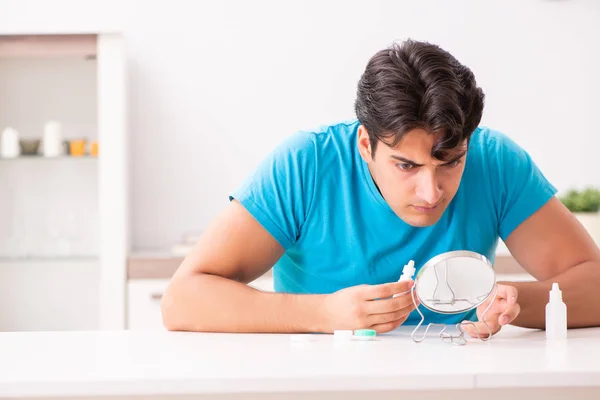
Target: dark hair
(418, 85)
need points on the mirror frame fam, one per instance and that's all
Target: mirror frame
(449, 255)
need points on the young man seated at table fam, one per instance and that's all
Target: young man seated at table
(337, 212)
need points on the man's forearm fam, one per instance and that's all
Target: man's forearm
(208, 303)
(580, 287)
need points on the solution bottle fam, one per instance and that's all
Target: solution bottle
(407, 274)
(408, 271)
(556, 315)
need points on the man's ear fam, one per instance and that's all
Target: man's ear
(364, 144)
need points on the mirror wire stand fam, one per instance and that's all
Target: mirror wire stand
(455, 339)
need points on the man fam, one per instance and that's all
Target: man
(339, 211)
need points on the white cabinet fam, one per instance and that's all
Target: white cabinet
(58, 210)
(143, 301)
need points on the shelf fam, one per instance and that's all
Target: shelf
(38, 46)
(152, 265)
(33, 259)
(41, 157)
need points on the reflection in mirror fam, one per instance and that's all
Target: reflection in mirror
(453, 283)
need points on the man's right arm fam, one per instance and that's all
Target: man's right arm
(209, 291)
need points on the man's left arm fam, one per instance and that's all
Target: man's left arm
(553, 246)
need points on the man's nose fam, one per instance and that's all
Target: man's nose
(428, 188)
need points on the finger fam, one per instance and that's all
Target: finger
(384, 290)
(503, 310)
(510, 293)
(492, 311)
(388, 326)
(510, 313)
(478, 329)
(389, 305)
(378, 319)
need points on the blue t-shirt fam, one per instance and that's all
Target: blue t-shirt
(315, 195)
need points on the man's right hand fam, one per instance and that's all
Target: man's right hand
(368, 307)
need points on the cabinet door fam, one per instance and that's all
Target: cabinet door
(49, 295)
(143, 303)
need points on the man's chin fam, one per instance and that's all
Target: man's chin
(420, 220)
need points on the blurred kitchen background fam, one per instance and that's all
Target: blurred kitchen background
(125, 124)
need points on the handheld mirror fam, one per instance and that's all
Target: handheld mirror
(452, 283)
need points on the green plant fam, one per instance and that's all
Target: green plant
(587, 200)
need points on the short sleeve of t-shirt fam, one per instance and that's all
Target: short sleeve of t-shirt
(279, 192)
(519, 187)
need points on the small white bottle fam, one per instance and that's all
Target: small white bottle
(408, 271)
(9, 146)
(407, 274)
(556, 315)
(53, 143)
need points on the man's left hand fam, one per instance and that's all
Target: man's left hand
(503, 311)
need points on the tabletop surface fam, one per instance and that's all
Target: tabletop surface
(161, 362)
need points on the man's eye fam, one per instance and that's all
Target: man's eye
(405, 166)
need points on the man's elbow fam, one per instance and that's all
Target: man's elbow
(176, 308)
(171, 312)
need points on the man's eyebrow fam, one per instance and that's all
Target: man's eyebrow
(458, 157)
(405, 160)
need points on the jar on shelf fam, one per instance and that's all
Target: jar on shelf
(77, 147)
(10, 146)
(94, 148)
(52, 141)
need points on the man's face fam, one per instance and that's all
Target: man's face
(417, 187)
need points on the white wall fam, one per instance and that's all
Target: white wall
(216, 84)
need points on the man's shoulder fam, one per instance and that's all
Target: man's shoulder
(490, 151)
(309, 147)
(485, 138)
(496, 148)
(335, 131)
(320, 141)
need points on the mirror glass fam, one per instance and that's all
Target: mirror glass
(455, 282)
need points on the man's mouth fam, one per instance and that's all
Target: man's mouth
(426, 209)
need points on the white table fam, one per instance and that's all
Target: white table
(176, 364)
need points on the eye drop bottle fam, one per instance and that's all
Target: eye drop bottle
(408, 271)
(407, 274)
(556, 315)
